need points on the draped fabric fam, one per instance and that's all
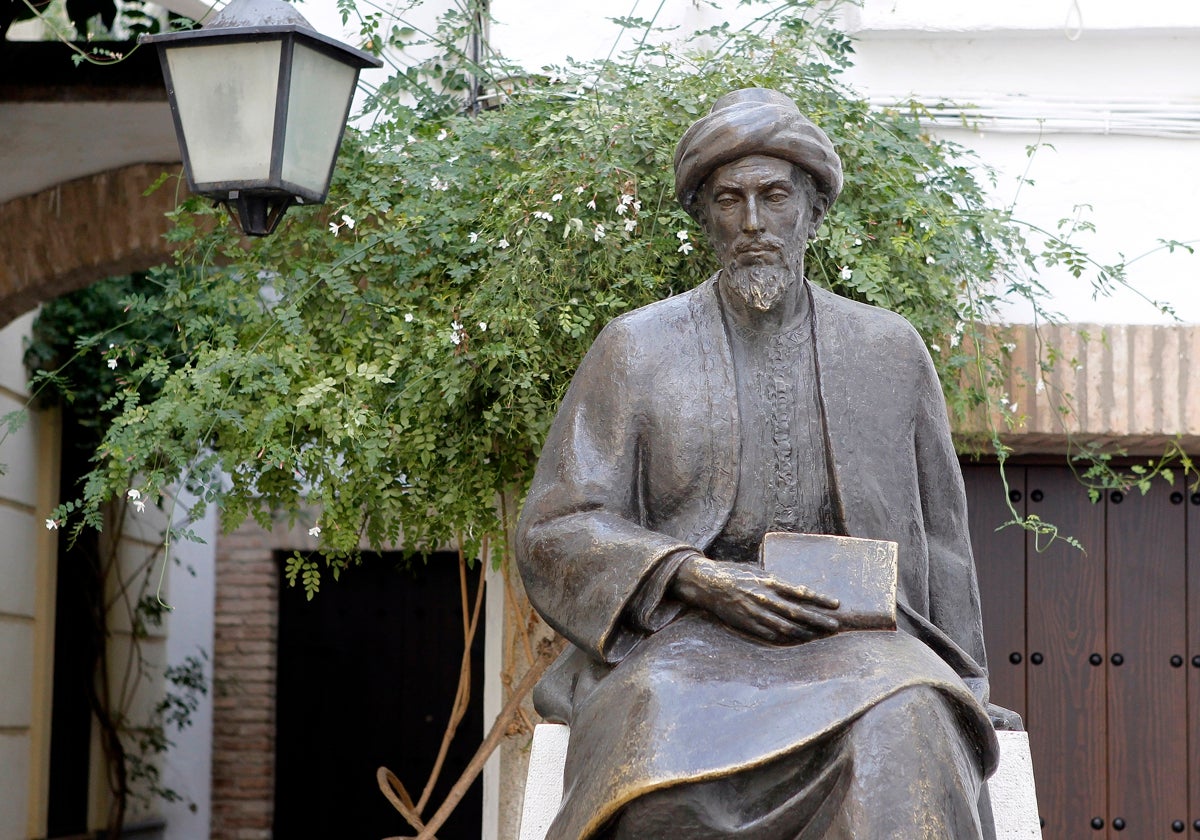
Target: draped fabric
(646, 461)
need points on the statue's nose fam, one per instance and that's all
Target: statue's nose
(750, 218)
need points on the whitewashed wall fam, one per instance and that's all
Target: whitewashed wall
(1113, 86)
(26, 589)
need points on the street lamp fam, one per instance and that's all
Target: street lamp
(260, 101)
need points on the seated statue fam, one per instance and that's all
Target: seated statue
(706, 697)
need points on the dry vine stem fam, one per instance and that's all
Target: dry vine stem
(548, 651)
(391, 786)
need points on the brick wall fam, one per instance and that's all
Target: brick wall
(246, 622)
(66, 237)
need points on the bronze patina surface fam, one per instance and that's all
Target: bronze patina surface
(706, 696)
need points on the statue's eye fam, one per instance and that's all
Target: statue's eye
(726, 201)
(777, 197)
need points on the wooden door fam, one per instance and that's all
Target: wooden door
(1108, 677)
(1147, 685)
(1065, 674)
(1193, 657)
(367, 673)
(1000, 560)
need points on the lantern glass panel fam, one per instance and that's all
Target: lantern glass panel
(321, 88)
(225, 95)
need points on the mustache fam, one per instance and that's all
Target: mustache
(763, 243)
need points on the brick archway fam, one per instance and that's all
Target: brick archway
(65, 237)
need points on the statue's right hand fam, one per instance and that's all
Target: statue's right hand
(754, 602)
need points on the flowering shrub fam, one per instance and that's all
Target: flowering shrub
(394, 358)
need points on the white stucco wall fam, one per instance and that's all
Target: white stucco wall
(1114, 88)
(187, 767)
(25, 552)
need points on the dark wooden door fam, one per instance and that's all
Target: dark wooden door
(1097, 657)
(1000, 560)
(1065, 673)
(1147, 695)
(367, 676)
(1193, 656)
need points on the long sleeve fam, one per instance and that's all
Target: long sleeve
(582, 549)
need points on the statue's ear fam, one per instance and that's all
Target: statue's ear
(818, 215)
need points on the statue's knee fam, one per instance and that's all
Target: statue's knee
(917, 711)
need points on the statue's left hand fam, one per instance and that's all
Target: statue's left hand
(754, 602)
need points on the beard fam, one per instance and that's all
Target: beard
(760, 287)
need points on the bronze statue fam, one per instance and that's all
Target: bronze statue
(706, 697)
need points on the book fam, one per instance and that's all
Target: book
(860, 573)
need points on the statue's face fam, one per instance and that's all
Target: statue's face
(758, 213)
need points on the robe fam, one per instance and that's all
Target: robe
(641, 464)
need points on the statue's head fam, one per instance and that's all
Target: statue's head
(754, 121)
(759, 177)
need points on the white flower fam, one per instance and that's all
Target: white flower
(598, 234)
(483, 326)
(556, 197)
(857, 241)
(454, 325)
(637, 206)
(51, 524)
(579, 191)
(626, 199)
(112, 364)
(410, 139)
(314, 531)
(473, 236)
(1041, 387)
(954, 339)
(540, 214)
(682, 235)
(134, 494)
(930, 260)
(502, 244)
(139, 505)
(1013, 408)
(591, 205)
(622, 209)
(846, 273)
(453, 159)
(349, 222)
(685, 248)
(443, 134)
(334, 228)
(630, 225)
(408, 317)
(456, 339)
(935, 348)
(438, 184)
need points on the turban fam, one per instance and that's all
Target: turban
(754, 121)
